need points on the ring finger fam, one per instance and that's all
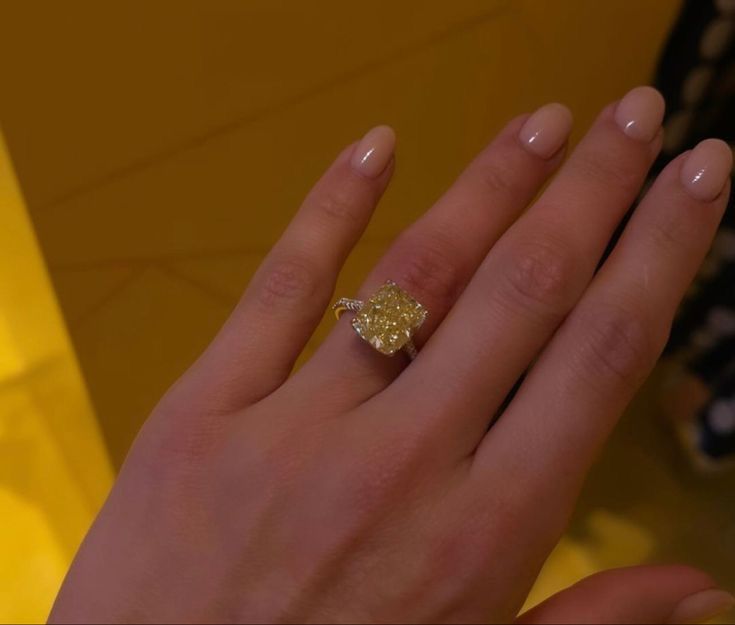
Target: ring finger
(435, 258)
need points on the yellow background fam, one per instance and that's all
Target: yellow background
(54, 471)
(161, 146)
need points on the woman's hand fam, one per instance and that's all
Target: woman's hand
(361, 489)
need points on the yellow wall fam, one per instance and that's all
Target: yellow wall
(53, 467)
(161, 147)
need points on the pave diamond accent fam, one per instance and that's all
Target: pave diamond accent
(389, 318)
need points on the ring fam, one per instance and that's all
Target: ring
(387, 320)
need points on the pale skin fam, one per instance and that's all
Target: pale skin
(363, 488)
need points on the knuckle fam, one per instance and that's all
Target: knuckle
(370, 490)
(389, 467)
(539, 276)
(620, 345)
(175, 445)
(604, 170)
(455, 551)
(288, 282)
(668, 231)
(487, 526)
(429, 271)
(498, 179)
(337, 203)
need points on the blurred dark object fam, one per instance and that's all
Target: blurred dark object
(696, 74)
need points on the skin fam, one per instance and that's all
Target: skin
(361, 489)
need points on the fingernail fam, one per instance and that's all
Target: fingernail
(546, 131)
(640, 113)
(702, 607)
(373, 153)
(706, 169)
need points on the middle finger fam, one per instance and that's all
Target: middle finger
(533, 277)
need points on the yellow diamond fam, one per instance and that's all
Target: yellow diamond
(389, 318)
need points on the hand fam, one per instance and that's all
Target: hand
(361, 489)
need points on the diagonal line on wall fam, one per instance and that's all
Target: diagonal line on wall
(276, 108)
(144, 261)
(106, 298)
(207, 289)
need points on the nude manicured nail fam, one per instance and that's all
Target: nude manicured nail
(546, 131)
(640, 113)
(706, 169)
(702, 607)
(373, 153)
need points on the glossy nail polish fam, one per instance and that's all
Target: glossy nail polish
(706, 169)
(702, 607)
(546, 131)
(373, 153)
(640, 113)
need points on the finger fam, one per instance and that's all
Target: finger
(549, 435)
(642, 594)
(534, 275)
(436, 256)
(256, 348)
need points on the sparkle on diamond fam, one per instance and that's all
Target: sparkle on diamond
(389, 318)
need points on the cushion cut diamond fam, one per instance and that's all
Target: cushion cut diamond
(389, 318)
